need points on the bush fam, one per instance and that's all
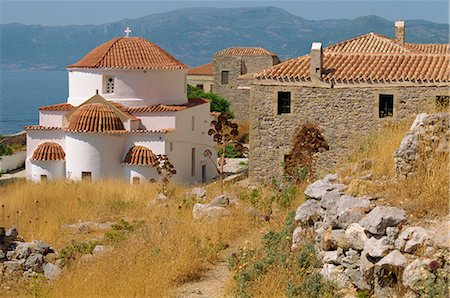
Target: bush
(121, 229)
(77, 248)
(218, 104)
(5, 150)
(230, 152)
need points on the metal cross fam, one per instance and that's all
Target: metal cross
(127, 31)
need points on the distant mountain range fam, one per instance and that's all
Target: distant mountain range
(192, 35)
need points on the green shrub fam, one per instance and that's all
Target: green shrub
(218, 104)
(77, 248)
(5, 150)
(230, 152)
(120, 230)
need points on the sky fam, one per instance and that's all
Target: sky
(66, 12)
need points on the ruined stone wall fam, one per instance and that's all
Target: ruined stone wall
(346, 115)
(236, 66)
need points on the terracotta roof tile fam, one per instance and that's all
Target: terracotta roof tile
(95, 117)
(40, 127)
(202, 70)
(192, 102)
(244, 51)
(430, 48)
(358, 67)
(128, 53)
(58, 107)
(124, 109)
(48, 151)
(140, 156)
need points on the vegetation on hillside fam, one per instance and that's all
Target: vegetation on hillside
(218, 104)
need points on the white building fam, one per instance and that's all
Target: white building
(127, 103)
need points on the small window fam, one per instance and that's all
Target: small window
(284, 103)
(108, 84)
(442, 102)
(193, 162)
(193, 123)
(386, 105)
(136, 180)
(203, 173)
(86, 176)
(225, 77)
(44, 178)
(200, 86)
(171, 146)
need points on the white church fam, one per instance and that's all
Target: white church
(127, 103)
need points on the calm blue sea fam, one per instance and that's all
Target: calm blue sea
(23, 92)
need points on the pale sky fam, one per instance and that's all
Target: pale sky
(65, 12)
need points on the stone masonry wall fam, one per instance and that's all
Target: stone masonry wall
(346, 115)
(236, 66)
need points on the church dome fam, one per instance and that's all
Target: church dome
(48, 151)
(95, 117)
(140, 156)
(128, 53)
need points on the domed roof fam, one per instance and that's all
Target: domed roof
(140, 156)
(48, 151)
(95, 117)
(128, 53)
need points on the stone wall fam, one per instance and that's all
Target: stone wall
(346, 115)
(428, 135)
(236, 66)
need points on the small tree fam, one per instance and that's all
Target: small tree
(224, 131)
(166, 170)
(218, 104)
(308, 140)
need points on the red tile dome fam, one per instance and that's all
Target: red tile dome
(95, 117)
(140, 156)
(48, 151)
(128, 53)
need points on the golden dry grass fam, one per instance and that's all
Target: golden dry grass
(170, 248)
(426, 194)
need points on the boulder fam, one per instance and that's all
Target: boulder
(22, 250)
(413, 238)
(199, 192)
(297, 238)
(351, 259)
(339, 238)
(357, 279)
(330, 178)
(345, 210)
(317, 189)
(51, 271)
(11, 233)
(332, 257)
(220, 201)
(441, 235)
(394, 259)
(336, 275)
(392, 234)
(366, 268)
(99, 249)
(309, 212)
(204, 211)
(382, 217)
(416, 275)
(160, 197)
(355, 236)
(377, 248)
(387, 274)
(329, 200)
(34, 262)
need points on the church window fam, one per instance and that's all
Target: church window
(193, 162)
(44, 177)
(386, 105)
(225, 77)
(108, 84)
(284, 103)
(442, 102)
(86, 176)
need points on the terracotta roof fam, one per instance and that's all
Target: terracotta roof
(40, 127)
(244, 51)
(140, 156)
(124, 109)
(48, 151)
(95, 117)
(58, 107)
(359, 67)
(202, 70)
(192, 102)
(430, 48)
(128, 53)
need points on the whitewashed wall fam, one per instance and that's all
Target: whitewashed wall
(143, 173)
(156, 121)
(13, 161)
(51, 118)
(52, 169)
(131, 87)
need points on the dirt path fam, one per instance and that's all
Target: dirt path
(211, 285)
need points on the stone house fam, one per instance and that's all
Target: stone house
(231, 72)
(348, 89)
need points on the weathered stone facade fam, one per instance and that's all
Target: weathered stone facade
(237, 91)
(346, 113)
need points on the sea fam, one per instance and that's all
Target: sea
(23, 92)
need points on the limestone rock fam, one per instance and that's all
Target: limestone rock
(382, 217)
(339, 239)
(413, 238)
(332, 257)
(297, 238)
(357, 279)
(393, 259)
(336, 274)
(199, 192)
(309, 212)
(99, 249)
(392, 234)
(351, 259)
(377, 248)
(12, 233)
(220, 201)
(34, 262)
(204, 211)
(51, 271)
(160, 197)
(257, 214)
(416, 275)
(329, 200)
(317, 189)
(355, 236)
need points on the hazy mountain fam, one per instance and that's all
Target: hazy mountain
(193, 35)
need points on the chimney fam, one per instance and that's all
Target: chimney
(316, 62)
(400, 31)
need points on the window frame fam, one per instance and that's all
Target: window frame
(86, 176)
(225, 80)
(193, 162)
(382, 97)
(105, 84)
(282, 107)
